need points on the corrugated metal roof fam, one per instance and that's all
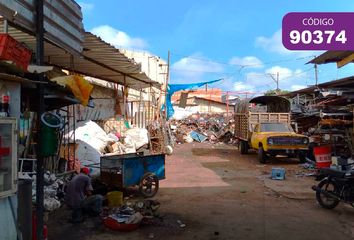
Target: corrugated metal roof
(331, 57)
(98, 59)
(342, 83)
(62, 20)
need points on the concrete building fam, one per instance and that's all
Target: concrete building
(203, 105)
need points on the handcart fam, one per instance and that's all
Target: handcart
(122, 171)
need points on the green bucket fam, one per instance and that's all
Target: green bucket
(49, 137)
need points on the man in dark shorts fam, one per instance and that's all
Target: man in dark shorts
(80, 199)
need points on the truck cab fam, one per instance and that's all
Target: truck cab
(263, 124)
(276, 138)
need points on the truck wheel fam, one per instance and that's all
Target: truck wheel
(243, 147)
(302, 156)
(262, 157)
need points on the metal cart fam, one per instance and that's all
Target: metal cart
(126, 170)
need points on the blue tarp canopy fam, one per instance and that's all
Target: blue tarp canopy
(172, 88)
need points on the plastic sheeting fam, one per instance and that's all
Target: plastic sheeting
(172, 88)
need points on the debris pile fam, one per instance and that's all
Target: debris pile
(130, 215)
(214, 128)
(93, 142)
(53, 190)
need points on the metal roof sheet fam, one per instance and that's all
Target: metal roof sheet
(343, 83)
(62, 20)
(331, 57)
(98, 59)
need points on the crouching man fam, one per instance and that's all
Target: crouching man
(80, 199)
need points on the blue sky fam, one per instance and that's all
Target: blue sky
(239, 41)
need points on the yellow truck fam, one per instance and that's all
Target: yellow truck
(263, 124)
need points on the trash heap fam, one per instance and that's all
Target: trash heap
(93, 142)
(129, 216)
(199, 127)
(53, 190)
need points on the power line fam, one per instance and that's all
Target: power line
(240, 65)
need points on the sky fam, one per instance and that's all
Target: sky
(237, 41)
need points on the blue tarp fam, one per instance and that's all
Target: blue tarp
(172, 88)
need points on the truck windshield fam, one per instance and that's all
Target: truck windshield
(275, 127)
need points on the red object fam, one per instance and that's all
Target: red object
(115, 225)
(74, 164)
(3, 151)
(12, 50)
(34, 229)
(5, 99)
(85, 170)
(323, 156)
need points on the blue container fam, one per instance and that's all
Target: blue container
(278, 174)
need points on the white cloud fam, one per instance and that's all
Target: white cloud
(288, 79)
(248, 61)
(281, 71)
(193, 68)
(273, 43)
(241, 86)
(86, 7)
(119, 38)
(297, 87)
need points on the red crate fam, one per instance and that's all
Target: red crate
(12, 50)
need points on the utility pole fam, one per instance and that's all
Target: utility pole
(316, 74)
(276, 80)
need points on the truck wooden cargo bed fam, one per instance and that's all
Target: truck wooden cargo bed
(245, 122)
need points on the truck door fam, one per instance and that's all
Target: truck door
(254, 137)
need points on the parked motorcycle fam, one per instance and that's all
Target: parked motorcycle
(335, 186)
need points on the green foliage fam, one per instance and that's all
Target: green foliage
(274, 92)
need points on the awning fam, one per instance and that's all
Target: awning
(339, 85)
(98, 59)
(340, 57)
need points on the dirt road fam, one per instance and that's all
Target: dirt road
(220, 194)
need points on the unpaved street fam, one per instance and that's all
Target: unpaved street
(220, 194)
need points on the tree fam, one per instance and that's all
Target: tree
(274, 92)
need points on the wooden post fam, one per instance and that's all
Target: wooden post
(149, 104)
(124, 100)
(227, 103)
(167, 78)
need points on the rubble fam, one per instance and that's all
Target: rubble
(214, 128)
(130, 215)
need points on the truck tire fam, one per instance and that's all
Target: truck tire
(302, 156)
(244, 147)
(262, 157)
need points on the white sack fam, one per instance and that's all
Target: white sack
(139, 136)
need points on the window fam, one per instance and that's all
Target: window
(275, 127)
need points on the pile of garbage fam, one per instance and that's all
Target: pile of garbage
(93, 142)
(130, 215)
(53, 190)
(199, 127)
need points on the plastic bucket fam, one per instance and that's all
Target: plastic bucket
(49, 140)
(49, 127)
(323, 156)
(115, 199)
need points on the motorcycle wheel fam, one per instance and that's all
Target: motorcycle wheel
(326, 201)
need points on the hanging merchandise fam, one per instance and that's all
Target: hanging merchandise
(5, 101)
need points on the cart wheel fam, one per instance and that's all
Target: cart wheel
(149, 185)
